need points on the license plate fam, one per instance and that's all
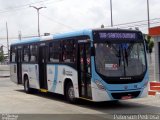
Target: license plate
(126, 97)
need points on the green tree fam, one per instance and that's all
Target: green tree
(1, 57)
(150, 44)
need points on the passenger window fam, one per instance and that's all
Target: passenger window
(13, 54)
(26, 54)
(69, 51)
(88, 58)
(33, 53)
(55, 52)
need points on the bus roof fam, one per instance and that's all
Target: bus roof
(65, 35)
(55, 36)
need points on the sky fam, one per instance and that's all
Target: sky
(68, 15)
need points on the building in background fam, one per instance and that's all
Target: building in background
(155, 33)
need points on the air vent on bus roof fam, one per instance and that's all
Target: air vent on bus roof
(46, 38)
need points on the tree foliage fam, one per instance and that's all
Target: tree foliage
(1, 57)
(150, 44)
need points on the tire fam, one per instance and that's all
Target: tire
(114, 102)
(27, 89)
(70, 95)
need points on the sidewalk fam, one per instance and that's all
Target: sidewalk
(151, 65)
(4, 71)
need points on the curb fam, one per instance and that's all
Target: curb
(5, 76)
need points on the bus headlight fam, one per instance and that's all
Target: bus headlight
(145, 84)
(99, 85)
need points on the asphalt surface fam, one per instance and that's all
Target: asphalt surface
(13, 100)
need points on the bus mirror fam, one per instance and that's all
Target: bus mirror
(92, 51)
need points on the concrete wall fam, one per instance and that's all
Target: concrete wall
(157, 58)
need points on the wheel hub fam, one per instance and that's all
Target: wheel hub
(71, 93)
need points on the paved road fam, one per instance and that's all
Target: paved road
(14, 100)
(4, 70)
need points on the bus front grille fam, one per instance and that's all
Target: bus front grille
(123, 95)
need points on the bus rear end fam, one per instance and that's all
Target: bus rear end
(119, 65)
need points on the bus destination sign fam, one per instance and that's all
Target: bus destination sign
(117, 35)
(110, 35)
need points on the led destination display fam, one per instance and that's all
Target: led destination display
(103, 35)
(117, 35)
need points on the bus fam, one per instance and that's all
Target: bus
(92, 64)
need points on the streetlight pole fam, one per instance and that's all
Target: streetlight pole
(111, 13)
(7, 39)
(38, 8)
(148, 15)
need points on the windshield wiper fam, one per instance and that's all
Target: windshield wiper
(116, 51)
(126, 56)
(119, 56)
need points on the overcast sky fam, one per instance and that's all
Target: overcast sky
(68, 15)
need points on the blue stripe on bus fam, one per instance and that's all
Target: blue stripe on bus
(55, 78)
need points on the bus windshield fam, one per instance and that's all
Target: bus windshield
(121, 59)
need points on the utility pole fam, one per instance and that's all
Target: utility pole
(7, 38)
(38, 8)
(19, 35)
(111, 13)
(148, 15)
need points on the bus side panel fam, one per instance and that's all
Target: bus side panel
(56, 74)
(144, 92)
(67, 72)
(13, 72)
(50, 77)
(99, 95)
(31, 70)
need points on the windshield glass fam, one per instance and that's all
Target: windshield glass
(120, 59)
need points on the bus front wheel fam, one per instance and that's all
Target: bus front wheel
(27, 89)
(70, 95)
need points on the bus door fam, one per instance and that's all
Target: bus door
(42, 67)
(19, 66)
(84, 70)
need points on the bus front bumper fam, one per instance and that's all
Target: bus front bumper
(105, 95)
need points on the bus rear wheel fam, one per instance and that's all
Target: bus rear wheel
(70, 95)
(27, 89)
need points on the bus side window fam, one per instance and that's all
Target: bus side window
(33, 53)
(13, 54)
(54, 51)
(88, 57)
(26, 54)
(69, 51)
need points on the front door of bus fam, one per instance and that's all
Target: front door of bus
(42, 67)
(84, 70)
(19, 66)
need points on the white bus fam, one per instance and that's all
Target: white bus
(95, 64)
